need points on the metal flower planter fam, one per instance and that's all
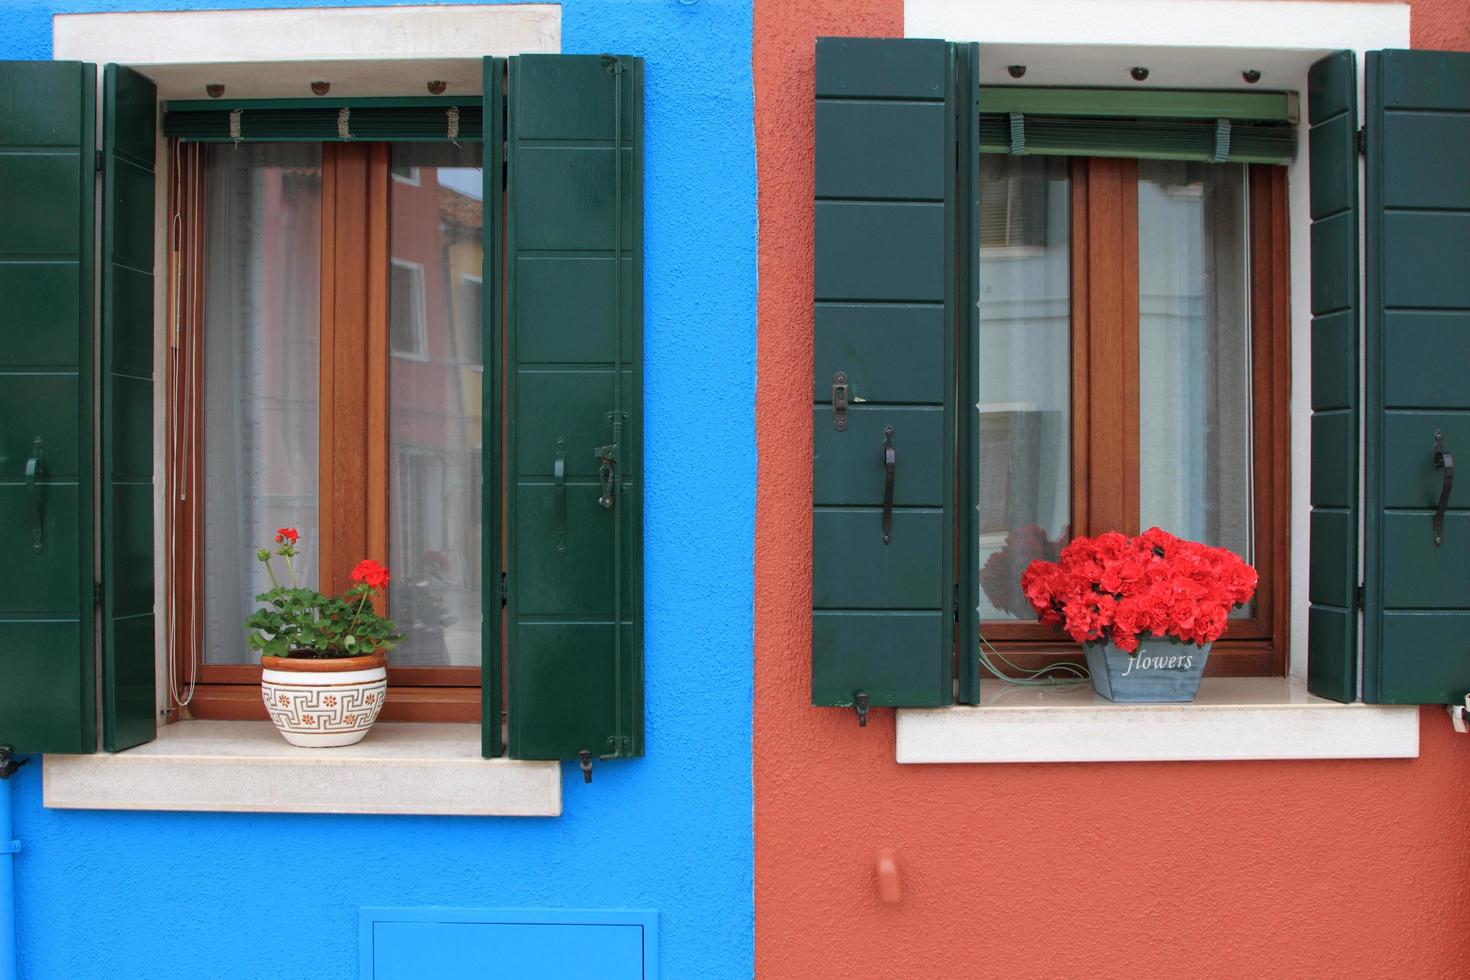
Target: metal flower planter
(1160, 669)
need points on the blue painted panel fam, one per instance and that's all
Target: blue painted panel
(489, 944)
(481, 950)
(644, 834)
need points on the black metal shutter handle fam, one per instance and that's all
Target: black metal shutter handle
(36, 490)
(559, 481)
(890, 465)
(1442, 461)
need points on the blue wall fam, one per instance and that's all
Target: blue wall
(104, 894)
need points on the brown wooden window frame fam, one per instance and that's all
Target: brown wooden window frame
(1105, 423)
(353, 469)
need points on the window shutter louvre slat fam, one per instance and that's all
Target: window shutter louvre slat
(47, 114)
(1417, 374)
(1332, 631)
(886, 284)
(129, 114)
(573, 386)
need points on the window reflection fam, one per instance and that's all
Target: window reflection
(435, 428)
(1024, 372)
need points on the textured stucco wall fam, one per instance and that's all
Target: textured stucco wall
(217, 895)
(1345, 869)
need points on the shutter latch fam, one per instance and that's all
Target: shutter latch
(840, 394)
(608, 471)
(584, 759)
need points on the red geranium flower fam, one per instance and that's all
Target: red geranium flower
(1113, 587)
(370, 573)
(284, 534)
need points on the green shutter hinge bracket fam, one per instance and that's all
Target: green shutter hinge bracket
(9, 763)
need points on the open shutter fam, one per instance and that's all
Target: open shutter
(129, 120)
(1332, 630)
(1416, 643)
(574, 453)
(886, 295)
(47, 118)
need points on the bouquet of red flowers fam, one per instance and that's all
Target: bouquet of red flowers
(1120, 588)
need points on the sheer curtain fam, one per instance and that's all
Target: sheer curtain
(261, 375)
(1195, 430)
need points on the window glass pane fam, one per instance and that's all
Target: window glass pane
(261, 306)
(434, 419)
(1024, 368)
(1194, 351)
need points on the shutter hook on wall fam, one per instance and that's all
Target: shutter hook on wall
(1442, 461)
(860, 704)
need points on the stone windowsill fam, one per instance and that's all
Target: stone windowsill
(1233, 718)
(247, 766)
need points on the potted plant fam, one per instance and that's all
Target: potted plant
(1146, 609)
(324, 659)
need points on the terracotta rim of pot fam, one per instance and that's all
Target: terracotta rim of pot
(324, 665)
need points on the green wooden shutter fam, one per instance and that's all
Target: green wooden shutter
(47, 115)
(574, 453)
(1332, 624)
(128, 131)
(886, 307)
(1416, 643)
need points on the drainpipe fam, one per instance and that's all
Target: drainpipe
(8, 846)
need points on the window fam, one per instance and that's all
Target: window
(1130, 369)
(300, 243)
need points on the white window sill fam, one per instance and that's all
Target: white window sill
(247, 766)
(1233, 718)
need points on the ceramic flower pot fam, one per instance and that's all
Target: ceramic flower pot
(1160, 669)
(321, 703)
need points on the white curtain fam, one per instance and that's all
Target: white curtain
(1195, 453)
(261, 375)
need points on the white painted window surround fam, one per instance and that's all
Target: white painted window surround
(267, 54)
(1184, 44)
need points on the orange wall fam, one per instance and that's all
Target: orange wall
(1348, 869)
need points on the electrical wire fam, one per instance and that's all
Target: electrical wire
(1067, 673)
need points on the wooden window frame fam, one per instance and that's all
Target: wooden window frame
(353, 497)
(1105, 437)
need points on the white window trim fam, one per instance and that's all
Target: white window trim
(261, 54)
(1199, 44)
(411, 178)
(420, 350)
(246, 766)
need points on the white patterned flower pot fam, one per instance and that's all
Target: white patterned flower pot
(322, 703)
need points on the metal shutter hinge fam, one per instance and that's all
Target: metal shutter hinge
(1362, 140)
(840, 392)
(504, 590)
(96, 593)
(97, 158)
(957, 602)
(1358, 596)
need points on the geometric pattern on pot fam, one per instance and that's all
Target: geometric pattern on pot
(324, 709)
